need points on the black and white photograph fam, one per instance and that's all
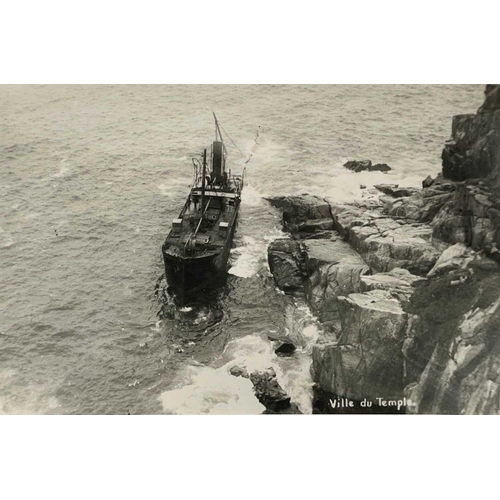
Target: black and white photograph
(249, 250)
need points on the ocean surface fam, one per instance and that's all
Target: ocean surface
(90, 180)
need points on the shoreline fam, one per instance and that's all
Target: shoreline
(405, 282)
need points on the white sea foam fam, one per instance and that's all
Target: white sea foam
(62, 172)
(250, 258)
(29, 399)
(213, 390)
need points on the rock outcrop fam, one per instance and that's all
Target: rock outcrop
(383, 242)
(361, 165)
(268, 391)
(453, 346)
(472, 158)
(407, 287)
(334, 269)
(286, 262)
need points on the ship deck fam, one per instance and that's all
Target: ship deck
(193, 237)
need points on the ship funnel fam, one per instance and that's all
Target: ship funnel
(218, 161)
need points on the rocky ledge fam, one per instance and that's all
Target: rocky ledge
(406, 284)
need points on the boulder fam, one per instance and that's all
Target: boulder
(239, 371)
(303, 209)
(334, 269)
(427, 182)
(367, 360)
(361, 165)
(268, 391)
(358, 165)
(285, 258)
(379, 167)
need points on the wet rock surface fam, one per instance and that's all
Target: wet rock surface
(362, 165)
(286, 262)
(268, 391)
(407, 285)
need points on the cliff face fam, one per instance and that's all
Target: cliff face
(474, 150)
(473, 156)
(407, 285)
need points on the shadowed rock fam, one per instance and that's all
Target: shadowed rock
(285, 257)
(268, 391)
(396, 191)
(452, 349)
(474, 150)
(362, 165)
(285, 349)
(427, 182)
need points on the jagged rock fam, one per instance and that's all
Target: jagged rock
(437, 336)
(334, 269)
(361, 165)
(395, 191)
(455, 339)
(285, 258)
(268, 391)
(472, 217)
(379, 167)
(492, 101)
(303, 209)
(384, 243)
(358, 165)
(421, 207)
(427, 182)
(367, 360)
(457, 256)
(474, 150)
(285, 349)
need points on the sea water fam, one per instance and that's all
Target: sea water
(90, 180)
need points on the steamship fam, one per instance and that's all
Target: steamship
(196, 250)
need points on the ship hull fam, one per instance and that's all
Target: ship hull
(191, 278)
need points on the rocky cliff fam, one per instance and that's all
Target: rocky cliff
(406, 284)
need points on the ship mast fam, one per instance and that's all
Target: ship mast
(218, 133)
(203, 181)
